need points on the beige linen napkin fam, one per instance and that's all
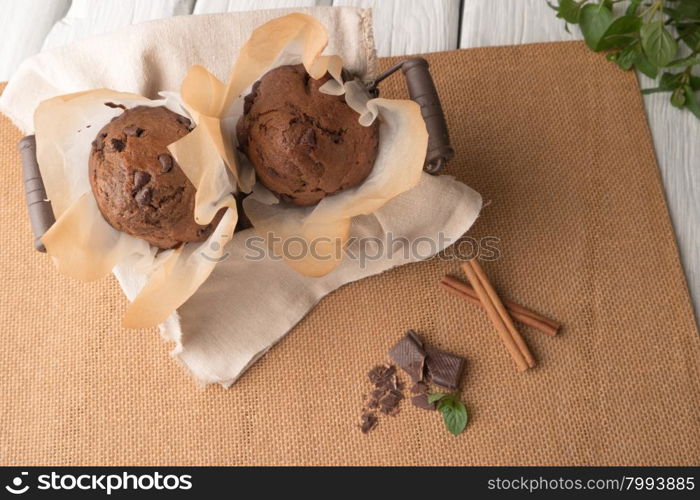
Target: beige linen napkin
(246, 305)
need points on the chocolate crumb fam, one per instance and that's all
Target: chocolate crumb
(386, 395)
(369, 422)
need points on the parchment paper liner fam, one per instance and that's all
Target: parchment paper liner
(299, 38)
(81, 242)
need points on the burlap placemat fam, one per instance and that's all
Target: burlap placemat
(557, 139)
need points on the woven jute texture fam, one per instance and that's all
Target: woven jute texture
(556, 139)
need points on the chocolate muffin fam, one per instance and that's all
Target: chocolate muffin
(139, 187)
(304, 145)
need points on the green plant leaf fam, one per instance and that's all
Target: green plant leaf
(632, 7)
(678, 98)
(643, 64)
(626, 59)
(690, 34)
(658, 44)
(568, 10)
(594, 21)
(694, 82)
(455, 417)
(620, 32)
(691, 101)
(686, 61)
(436, 396)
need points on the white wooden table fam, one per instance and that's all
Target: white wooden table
(400, 27)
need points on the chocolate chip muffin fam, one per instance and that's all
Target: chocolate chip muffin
(304, 145)
(139, 187)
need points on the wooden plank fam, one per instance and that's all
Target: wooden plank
(92, 17)
(411, 26)
(214, 6)
(675, 132)
(510, 22)
(24, 26)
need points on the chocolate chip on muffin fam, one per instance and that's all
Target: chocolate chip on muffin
(303, 144)
(140, 189)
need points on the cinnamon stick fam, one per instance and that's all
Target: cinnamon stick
(503, 332)
(518, 312)
(505, 317)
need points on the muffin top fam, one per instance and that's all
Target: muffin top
(139, 188)
(304, 145)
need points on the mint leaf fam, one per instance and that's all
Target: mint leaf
(436, 396)
(594, 21)
(455, 417)
(658, 44)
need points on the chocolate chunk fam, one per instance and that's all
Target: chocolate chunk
(143, 197)
(369, 422)
(381, 375)
(309, 138)
(141, 178)
(443, 368)
(133, 131)
(421, 401)
(389, 402)
(117, 145)
(408, 353)
(419, 388)
(98, 144)
(166, 163)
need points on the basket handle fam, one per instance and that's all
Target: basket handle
(421, 89)
(41, 215)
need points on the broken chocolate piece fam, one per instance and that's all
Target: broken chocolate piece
(408, 353)
(443, 368)
(369, 422)
(383, 376)
(419, 388)
(421, 401)
(389, 402)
